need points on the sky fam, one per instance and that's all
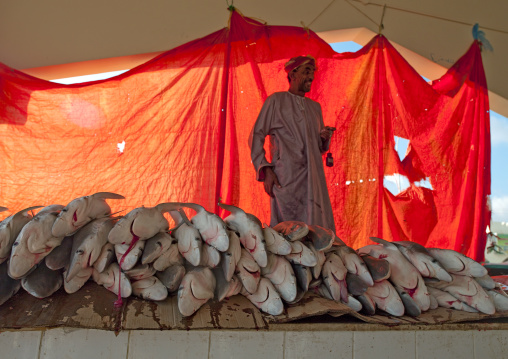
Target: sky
(499, 140)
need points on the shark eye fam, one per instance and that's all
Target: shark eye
(15, 244)
(65, 209)
(80, 251)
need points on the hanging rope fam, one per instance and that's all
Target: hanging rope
(364, 14)
(321, 13)
(247, 19)
(381, 26)
(423, 14)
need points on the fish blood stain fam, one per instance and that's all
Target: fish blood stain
(411, 291)
(118, 303)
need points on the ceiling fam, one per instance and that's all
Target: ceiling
(35, 34)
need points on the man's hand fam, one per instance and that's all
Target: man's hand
(327, 132)
(270, 180)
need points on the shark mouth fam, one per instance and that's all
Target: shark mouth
(254, 273)
(412, 291)
(428, 269)
(75, 218)
(267, 296)
(343, 288)
(463, 266)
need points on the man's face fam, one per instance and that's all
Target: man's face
(303, 76)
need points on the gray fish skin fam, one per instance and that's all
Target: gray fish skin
(322, 238)
(280, 273)
(155, 246)
(42, 282)
(355, 284)
(457, 263)
(292, 230)
(8, 286)
(188, 238)
(37, 235)
(231, 257)
(82, 210)
(299, 296)
(225, 288)
(60, 257)
(150, 288)
(321, 258)
(197, 288)
(354, 263)
(87, 245)
(172, 276)
(427, 265)
(106, 257)
(250, 232)
(404, 275)
(378, 268)
(386, 298)
(211, 227)
(139, 224)
(266, 298)
(410, 306)
(303, 276)
(368, 304)
(10, 228)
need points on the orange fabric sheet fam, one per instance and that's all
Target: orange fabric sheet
(185, 118)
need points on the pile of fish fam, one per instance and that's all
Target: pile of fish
(207, 258)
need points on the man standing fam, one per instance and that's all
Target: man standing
(295, 178)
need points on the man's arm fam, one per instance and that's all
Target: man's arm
(270, 179)
(261, 129)
(325, 133)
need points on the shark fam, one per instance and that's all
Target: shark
(250, 232)
(10, 228)
(197, 288)
(150, 288)
(87, 245)
(82, 210)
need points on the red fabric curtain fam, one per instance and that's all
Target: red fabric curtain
(185, 117)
